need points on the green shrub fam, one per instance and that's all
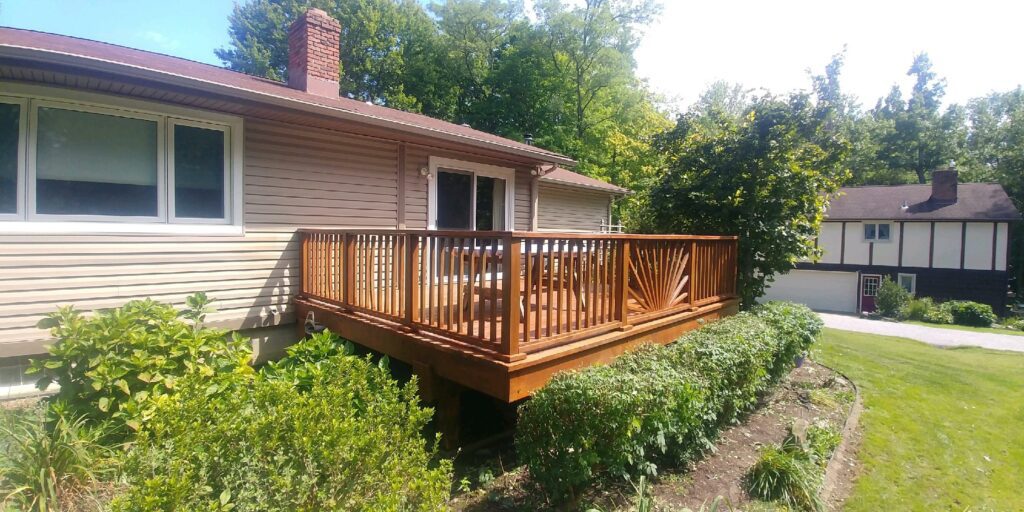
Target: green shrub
(892, 299)
(918, 309)
(939, 314)
(657, 404)
(350, 441)
(974, 314)
(49, 465)
(822, 441)
(1015, 323)
(305, 362)
(114, 364)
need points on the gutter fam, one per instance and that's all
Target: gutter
(134, 71)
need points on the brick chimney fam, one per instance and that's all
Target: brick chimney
(313, 53)
(944, 182)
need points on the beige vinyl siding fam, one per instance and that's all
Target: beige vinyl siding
(294, 177)
(570, 209)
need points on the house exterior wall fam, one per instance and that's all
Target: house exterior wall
(950, 260)
(293, 176)
(567, 209)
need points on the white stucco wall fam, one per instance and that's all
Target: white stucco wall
(946, 248)
(915, 244)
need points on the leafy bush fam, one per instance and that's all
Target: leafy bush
(115, 364)
(822, 441)
(657, 403)
(939, 314)
(49, 466)
(1014, 322)
(892, 299)
(918, 309)
(351, 440)
(974, 314)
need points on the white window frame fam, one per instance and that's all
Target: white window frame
(913, 281)
(876, 239)
(475, 169)
(33, 139)
(27, 221)
(19, 201)
(171, 211)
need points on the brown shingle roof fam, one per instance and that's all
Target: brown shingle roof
(572, 179)
(975, 201)
(65, 50)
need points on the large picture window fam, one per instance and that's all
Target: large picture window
(65, 159)
(96, 164)
(469, 195)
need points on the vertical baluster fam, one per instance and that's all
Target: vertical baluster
(551, 269)
(482, 327)
(460, 292)
(496, 264)
(528, 291)
(471, 287)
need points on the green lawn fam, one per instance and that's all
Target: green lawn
(993, 330)
(943, 428)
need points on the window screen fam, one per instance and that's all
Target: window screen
(95, 164)
(10, 123)
(869, 231)
(883, 231)
(198, 172)
(454, 198)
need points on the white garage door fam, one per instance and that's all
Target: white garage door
(822, 291)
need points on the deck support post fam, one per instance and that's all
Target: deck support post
(448, 396)
(622, 286)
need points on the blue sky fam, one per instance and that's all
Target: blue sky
(183, 28)
(976, 45)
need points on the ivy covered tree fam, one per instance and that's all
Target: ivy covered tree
(765, 175)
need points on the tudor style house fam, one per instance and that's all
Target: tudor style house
(946, 240)
(480, 261)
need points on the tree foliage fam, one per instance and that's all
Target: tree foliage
(764, 173)
(565, 75)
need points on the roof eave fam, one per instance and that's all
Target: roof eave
(620, 192)
(132, 71)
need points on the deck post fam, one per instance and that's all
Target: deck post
(510, 296)
(349, 270)
(412, 293)
(622, 289)
(304, 264)
(693, 281)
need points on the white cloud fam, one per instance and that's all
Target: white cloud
(159, 41)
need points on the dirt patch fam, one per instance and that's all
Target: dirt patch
(493, 480)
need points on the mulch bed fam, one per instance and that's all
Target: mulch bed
(810, 393)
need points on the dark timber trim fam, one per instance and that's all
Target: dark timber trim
(931, 246)
(871, 253)
(842, 245)
(963, 243)
(899, 257)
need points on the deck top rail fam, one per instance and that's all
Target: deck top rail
(507, 294)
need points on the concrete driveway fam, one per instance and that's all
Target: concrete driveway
(937, 336)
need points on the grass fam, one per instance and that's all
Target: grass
(943, 428)
(994, 330)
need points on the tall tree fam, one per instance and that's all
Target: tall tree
(765, 175)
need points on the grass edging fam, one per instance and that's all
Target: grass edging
(846, 445)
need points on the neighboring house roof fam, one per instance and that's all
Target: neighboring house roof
(97, 56)
(566, 177)
(975, 201)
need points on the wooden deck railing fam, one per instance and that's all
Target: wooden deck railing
(512, 293)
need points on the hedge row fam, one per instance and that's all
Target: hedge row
(658, 405)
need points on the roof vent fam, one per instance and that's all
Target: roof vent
(314, 51)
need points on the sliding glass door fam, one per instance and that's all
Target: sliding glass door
(467, 200)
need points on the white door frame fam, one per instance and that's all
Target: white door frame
(476, 169)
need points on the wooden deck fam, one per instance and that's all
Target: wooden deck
(500, 312)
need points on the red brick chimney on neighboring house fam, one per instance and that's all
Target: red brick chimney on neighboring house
(944, 183)
(314, 42)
